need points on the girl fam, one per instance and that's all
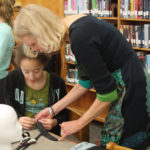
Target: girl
(30, 89)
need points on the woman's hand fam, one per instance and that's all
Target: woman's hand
(69, 127)
(43, 114)
(27, 122)
(48, 123)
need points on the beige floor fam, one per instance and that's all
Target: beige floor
(95, 131)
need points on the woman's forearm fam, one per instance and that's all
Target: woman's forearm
(76, 92)
(96, 109)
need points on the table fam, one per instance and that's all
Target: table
(46, 144)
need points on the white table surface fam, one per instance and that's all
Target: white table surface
(45, 144)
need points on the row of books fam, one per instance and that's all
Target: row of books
(69, 56)
(145, 59)
(72, 71)
(72, 75)
(106, 8)
(101, 8)
(137, 35)
(135, 9)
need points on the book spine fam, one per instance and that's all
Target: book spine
(131, 8)
(126, 9)
(146, 36)
(65, 8)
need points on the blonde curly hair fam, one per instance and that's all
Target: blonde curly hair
(41, 23)
(20, 54)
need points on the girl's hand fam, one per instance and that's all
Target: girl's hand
(69, 127)
(27, 122)
(48, 123)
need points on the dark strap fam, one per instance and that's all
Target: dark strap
(44, 132)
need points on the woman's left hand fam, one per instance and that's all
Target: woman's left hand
(48, 123)
(43, 114)
(69, 127)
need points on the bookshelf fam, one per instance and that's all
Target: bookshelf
(120, 15)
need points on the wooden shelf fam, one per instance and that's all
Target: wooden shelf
(92, 90)
(80, 111)
(134, 19)
(70, 62)
(141, 49)
(109, 18)
(71, 84)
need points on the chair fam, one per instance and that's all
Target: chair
(114, 146)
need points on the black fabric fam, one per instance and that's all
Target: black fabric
(50, 67)
(44, 132)
(15, 82)
(96, 148)
(101, 49)
(82, 74)
(145, 145)
(134, 107)
(2, 84)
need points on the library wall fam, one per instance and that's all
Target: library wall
(52, 5)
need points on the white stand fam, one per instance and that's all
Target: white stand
(10, 128)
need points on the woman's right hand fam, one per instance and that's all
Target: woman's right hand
(43, 114)
(27, 122)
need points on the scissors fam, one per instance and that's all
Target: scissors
(27, 141)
